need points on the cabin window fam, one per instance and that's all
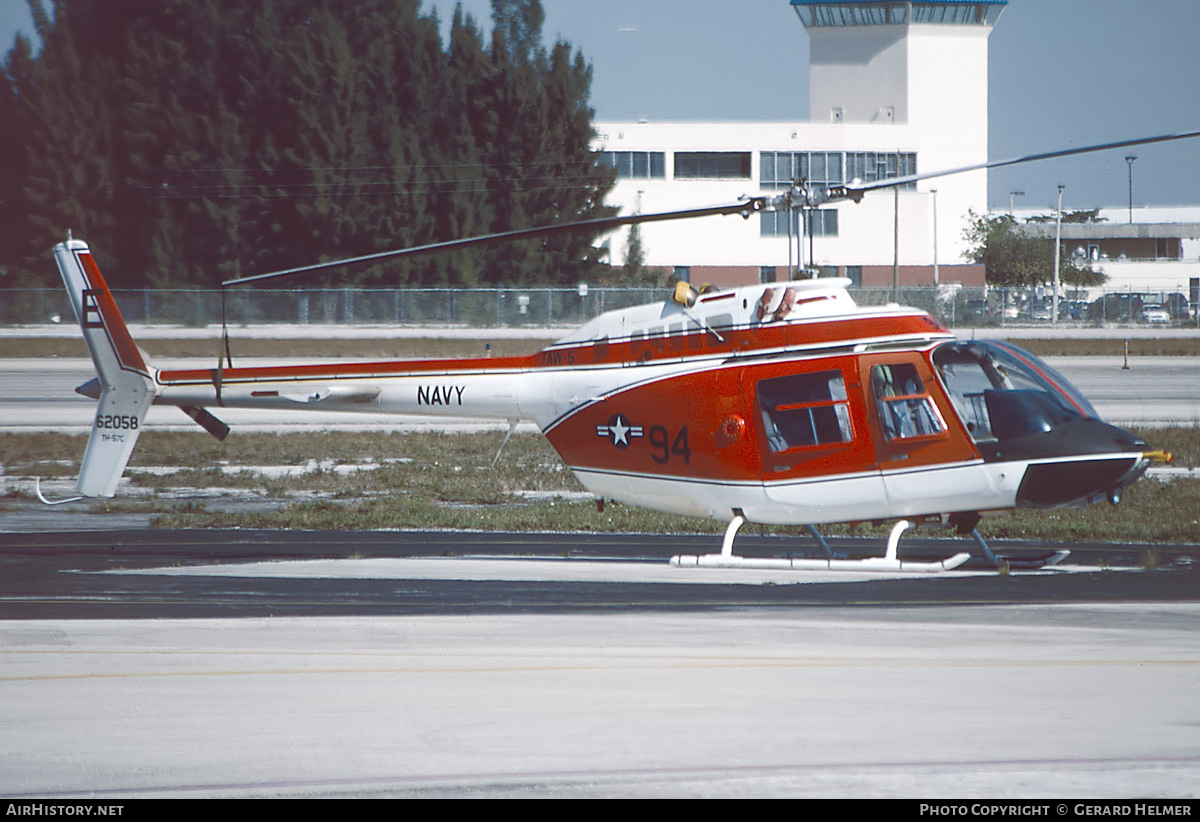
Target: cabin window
(905, 409)
(1002, 392)
(675, 335)
(967, 385)
(805, 410)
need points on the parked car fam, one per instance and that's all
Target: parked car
(1119, 308)
(1156, 315)
(1072, 309)
(1177, 306)
(979, 308)
(1039, 309)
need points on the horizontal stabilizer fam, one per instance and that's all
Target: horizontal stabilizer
(91, 388)
(207, 421)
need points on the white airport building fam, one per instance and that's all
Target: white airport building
(896, 88)
(1153, 252)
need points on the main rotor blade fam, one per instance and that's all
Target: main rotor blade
(745, 208)
(855, 191)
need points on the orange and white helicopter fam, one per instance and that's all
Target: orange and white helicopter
(784, 403)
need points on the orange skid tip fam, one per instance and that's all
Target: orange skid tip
(1161, 457)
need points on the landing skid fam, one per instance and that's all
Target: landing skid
(1007, 562)
(1034, 562)
(889, 562)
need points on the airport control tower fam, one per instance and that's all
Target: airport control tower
(901, 62)
(918, 67)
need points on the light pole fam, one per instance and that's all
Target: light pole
(1057, 252)
(1012, 194)
(895, 243)
(1129, 161)
(936, 279)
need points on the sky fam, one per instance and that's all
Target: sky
(1063, 74)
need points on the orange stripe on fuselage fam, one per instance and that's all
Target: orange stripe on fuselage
(737, 341)
(391, 368)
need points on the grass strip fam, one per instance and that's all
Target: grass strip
(429, 480)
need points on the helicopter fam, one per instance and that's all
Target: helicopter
(777, 404)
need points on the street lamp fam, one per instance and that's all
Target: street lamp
(1129, 161)
(936, 278)
(1012, 194)
(1057, 252)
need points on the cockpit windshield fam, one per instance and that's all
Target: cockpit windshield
(1002, 392)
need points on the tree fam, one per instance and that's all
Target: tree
(1015, 259)
(195, 140)
(1090, 215)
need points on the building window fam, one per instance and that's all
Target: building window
(682, 273)
(766, 274)
(779, 169)
(638, 165)
(873, 166)
(712, 165)
(775, 223)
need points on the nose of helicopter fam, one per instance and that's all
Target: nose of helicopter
(1084, 462)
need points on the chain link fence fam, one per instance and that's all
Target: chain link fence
(558, 306)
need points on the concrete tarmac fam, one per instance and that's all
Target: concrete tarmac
(1095, 701)
(260, 664)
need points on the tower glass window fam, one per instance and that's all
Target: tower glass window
(891, 12)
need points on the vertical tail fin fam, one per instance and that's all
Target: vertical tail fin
(127, 385)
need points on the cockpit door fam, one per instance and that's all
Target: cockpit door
(921, 448)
